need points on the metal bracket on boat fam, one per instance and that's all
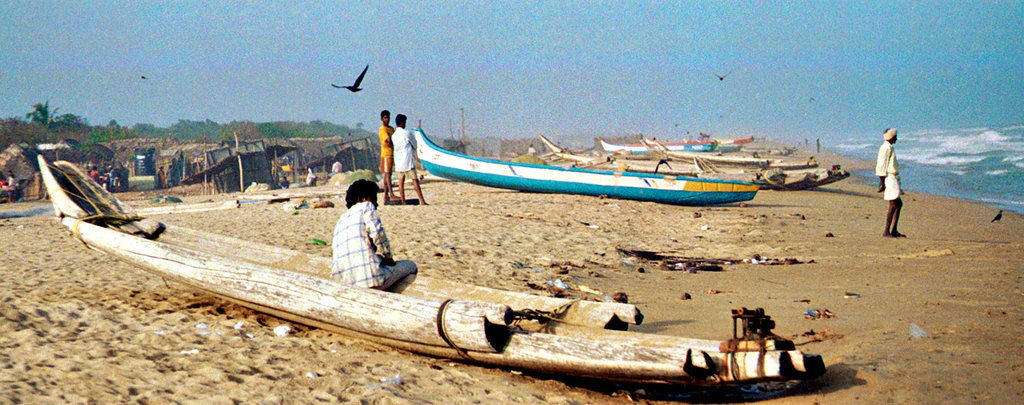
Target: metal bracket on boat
(757, 333)
(701, 373)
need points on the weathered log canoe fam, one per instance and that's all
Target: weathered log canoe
(290, 285)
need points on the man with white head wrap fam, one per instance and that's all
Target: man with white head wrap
(889, 178)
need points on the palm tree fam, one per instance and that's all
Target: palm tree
(41, 114)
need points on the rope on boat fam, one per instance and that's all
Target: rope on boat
(441, 330)
(77, 232)
(543, 317)
(100, 217)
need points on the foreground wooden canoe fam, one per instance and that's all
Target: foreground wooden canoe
(287, 284)
(551, 179)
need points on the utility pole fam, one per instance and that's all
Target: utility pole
(462, 112)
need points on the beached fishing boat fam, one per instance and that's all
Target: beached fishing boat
(697, 146)
(728, 161)
(790, 180)
(292, 285)
(766, 179)
(550, 179)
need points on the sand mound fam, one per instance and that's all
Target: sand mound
(530, 159)
(346, 178)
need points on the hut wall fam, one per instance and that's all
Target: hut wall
(256, 168)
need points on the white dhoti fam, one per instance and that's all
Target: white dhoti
(892, 187)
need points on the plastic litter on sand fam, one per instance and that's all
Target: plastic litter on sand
(282, 330)
(917, 332)
(397, 379)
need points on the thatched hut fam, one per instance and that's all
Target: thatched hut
(231, 168)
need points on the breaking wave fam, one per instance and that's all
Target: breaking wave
(978, 163)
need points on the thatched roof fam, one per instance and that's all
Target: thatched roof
(19, 160)
(166, 148)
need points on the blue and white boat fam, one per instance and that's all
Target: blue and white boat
(658, 188)
(638, 148)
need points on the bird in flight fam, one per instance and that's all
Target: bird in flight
(355, 86)
(998, 216)
(721, 77)
(144, 77)
(661, 162)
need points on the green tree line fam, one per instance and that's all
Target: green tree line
(42, 125)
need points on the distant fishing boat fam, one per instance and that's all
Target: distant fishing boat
(700, 146)
(737, 141)
(664, 189)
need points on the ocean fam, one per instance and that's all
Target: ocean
(982, 164)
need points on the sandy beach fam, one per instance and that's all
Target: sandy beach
(77, 326)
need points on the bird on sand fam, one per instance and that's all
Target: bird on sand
(660, 162)
(998, 216)
(721, 77)
(355, 86)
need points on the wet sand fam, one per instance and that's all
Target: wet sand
(77, 326)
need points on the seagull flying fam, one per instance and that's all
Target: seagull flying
(660, 162)
(721, 77)
(998, 216)
(355, 86)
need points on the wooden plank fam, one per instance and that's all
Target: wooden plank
(177, 209)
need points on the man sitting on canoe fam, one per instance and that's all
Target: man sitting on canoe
(362, 253)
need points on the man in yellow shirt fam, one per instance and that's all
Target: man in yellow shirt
(387, 152)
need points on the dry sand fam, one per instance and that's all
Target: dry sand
(77, 326)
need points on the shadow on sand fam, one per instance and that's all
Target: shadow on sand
(655, 327)
(850, 193)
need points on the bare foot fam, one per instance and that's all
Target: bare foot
(898, 235)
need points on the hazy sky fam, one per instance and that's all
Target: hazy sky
(522, 68)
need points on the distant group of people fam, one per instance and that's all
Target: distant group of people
(108, 178)
(11, 189)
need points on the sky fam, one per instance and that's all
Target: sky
(569, 70)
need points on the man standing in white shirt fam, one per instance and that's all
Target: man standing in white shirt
(405, 155)
(889, 177)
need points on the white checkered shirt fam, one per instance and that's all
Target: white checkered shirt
(360, 245)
